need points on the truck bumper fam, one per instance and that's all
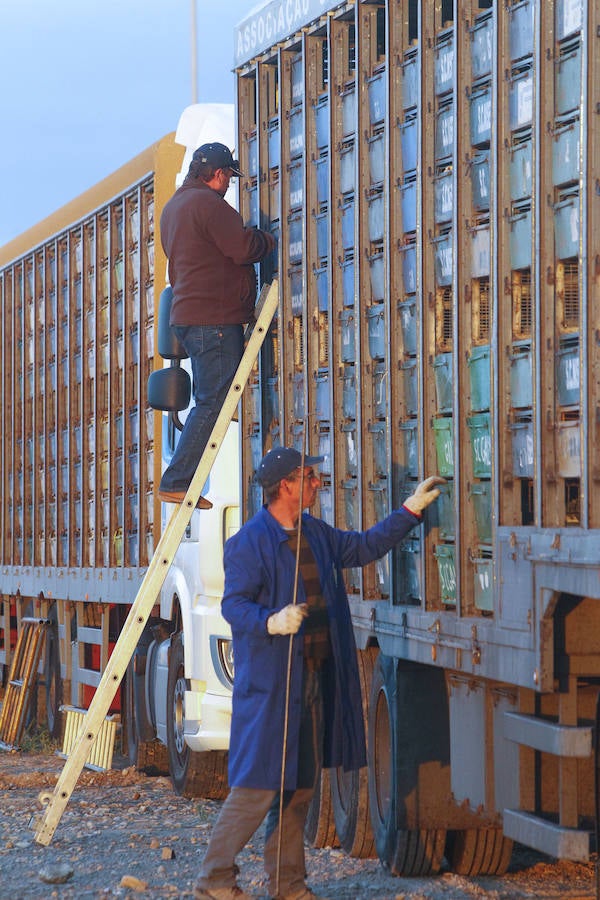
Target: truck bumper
(207, 721)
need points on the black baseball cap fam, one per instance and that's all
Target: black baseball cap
(219, 156)
(281, 462)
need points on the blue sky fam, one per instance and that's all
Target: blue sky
(87, 85)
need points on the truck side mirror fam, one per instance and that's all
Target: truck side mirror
(169, 390)
(166, 341)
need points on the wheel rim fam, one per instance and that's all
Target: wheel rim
(179, 715)
(382, 752)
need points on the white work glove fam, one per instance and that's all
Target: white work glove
(425, 493)
(288, 620)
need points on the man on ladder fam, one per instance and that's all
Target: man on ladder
(211, 256)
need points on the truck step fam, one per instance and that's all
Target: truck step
(545, 836)
(548, 736)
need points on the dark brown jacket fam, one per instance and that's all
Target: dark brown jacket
(210, 256)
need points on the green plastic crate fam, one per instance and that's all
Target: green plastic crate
(481, 495)
(481, 444)
(479, 374)
(444, 445)
(446, 562)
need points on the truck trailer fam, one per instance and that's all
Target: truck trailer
(431, 174)
(81, 457)
(431, 171)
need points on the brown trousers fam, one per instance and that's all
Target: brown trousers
(245, 808)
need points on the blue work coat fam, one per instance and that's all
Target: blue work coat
(259, 580)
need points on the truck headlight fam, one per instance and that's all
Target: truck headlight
(225, 651)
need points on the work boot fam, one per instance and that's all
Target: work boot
(222, 893)
(178, 497)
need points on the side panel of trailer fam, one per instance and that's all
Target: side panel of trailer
(430, 170)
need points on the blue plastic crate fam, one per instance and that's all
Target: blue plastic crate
(409, 430)
(322, 228)
(349, 112)
(322, 122)
(377, 277)
(348, 286)
(443, 188)
(349, 404)
(376, 217)
(568, 372)
(296, 132)
(378, 432)
(380, 379)
(347, 169)
(568, 81)
(521, 19)
(376, 330)
(480, 181)
(408, 200)
(443, 259)
(444, 64)
(409, 268)
(274, 144)
(322, 166)
(520, 239)
(410, 79)
(482, 38)
(520, 100)
(481, 117)
(377, 158)
(347, 211)
(376, 89)
(442, 372)
(565, 153)
(566, 227)
(521, 170)
(407, 313)
(521, 375)
(444, 132)
(409, 130)
(348, 336)
(569, 18)
(296, 184)
(522, 447)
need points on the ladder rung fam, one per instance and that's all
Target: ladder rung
(17, 682)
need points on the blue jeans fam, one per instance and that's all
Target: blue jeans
(215, 352)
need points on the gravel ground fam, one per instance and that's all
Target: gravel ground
(126, 835)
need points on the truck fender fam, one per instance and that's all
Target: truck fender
(176, 590)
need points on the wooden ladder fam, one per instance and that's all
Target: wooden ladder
(55, 802)
(21, 679)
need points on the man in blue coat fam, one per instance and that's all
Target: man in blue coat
(278, 621)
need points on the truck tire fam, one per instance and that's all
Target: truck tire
(319, 828)
(193, 774)
(403, 851)
(350, 790)
(479, 851)
(53, 680)
(150, 757)
(381, 752)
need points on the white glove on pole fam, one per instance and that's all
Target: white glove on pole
(288, 620)
(425, 493)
